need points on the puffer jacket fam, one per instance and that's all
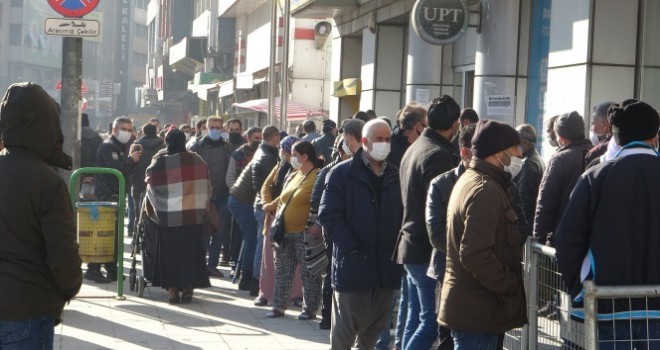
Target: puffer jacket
(483, 289)
(263, 162)
(39, 261)
(362, 225)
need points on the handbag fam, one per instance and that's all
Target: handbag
(316, 259)
(276, 233)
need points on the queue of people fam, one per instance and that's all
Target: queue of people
(431, 215)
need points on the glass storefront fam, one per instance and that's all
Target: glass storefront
(649, 91)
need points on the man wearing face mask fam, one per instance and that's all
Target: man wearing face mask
(436, 221)
(612, 217)
(550, 132)
(483, 245)
(431, 155)
(235, 133)
(529, 179)
(323, 144)
(200, 131)
(352, 127)
(361, 213)
(412, 122)
(599, 135)
(562, 171)
(216, 153)
(112, 154)
(243, 155)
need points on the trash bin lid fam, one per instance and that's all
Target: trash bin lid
(96, 204)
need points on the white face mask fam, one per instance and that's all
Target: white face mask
(123, 136)
(595, 138)
(346, 149)
(380, 150)
(514, 167)
(205, 132)
(295, 163)
(187, 135)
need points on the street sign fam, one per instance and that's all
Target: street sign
(440, 22)
(72, 27)
(73, 8)
(83, 86)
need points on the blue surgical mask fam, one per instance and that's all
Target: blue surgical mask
(215, 134)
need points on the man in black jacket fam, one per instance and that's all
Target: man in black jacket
(431, 155)
(112, 154)
(611, 228)
(323, 145)
(436, 221)
(563, 170)
(265, 159)
(39, 261)
(90, 141)
(412, 122)
(151, 144)
(529, 179)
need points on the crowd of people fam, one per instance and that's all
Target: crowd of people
(430, 215)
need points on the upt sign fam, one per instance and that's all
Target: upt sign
(440, 14)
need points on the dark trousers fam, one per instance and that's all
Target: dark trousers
(359, 317)
(326, 302)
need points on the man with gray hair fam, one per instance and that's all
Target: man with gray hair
(361, 213)
(529, 178)
(600, 132)
(411, 123)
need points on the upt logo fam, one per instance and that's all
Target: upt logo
(441, 14)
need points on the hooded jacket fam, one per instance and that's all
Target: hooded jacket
(39, 261)
(90, 141)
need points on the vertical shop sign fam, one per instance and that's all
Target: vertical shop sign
(538, 65)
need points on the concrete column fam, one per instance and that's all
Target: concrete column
(500, 65)
(423, 69)
(368, 70)
(346, 63)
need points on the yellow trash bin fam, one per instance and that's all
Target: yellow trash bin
(97, 222)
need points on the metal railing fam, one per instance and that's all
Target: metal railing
(552, 322)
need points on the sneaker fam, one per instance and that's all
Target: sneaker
(213, 272)
(96, 276)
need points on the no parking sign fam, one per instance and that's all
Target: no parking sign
(73, 8)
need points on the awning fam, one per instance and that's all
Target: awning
(294, 110)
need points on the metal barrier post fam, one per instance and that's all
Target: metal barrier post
(530, 334)
(590, 315)
(73, 193)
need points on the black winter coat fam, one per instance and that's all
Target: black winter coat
(429, 156)
(362, 228)
(90, 141)
(263, 162)
(150, 146)
(39, 261)
(563, 170)
(529, 181)
(112, 154)
(613, 216)
(399, 146)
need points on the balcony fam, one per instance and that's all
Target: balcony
(187, 56)
(322, 8)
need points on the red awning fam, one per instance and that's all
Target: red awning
(294, 110)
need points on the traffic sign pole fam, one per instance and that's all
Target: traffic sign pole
(71, 97)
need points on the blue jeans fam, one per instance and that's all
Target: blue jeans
(35, 333)
(244, 216)
(474, 341)
(402, 315)
(215, 246)
(421, 325)
(626, 330)
(260, 216)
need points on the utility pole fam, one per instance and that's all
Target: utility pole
(272, 78)
(71, 97)
(284, 66)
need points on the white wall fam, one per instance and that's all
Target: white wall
(257, 54)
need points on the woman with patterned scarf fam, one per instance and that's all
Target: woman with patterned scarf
(178, 190)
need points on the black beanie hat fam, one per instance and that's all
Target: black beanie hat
(491, 136)
(633, 120)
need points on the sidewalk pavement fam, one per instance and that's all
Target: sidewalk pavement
(220, 317)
